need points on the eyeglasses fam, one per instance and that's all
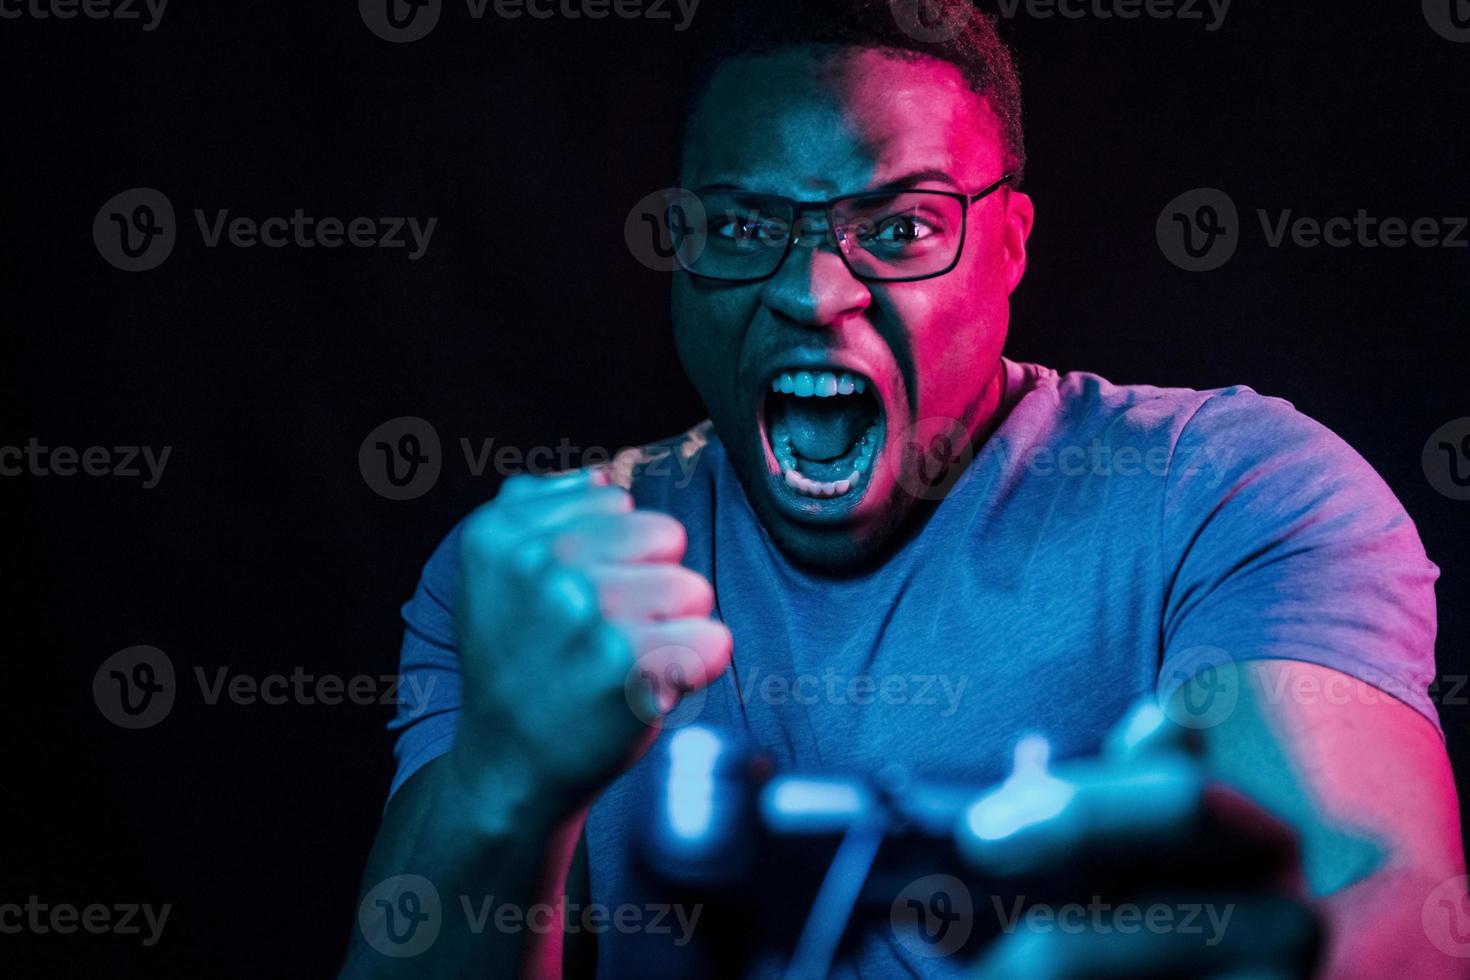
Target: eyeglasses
(882, 236)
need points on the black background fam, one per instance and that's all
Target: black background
(263, 549)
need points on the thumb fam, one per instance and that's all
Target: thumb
(1146, 731)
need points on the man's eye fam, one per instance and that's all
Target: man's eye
(748, 230)
(901, 230)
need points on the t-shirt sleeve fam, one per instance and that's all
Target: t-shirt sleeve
(429, 688)
(1285, 544)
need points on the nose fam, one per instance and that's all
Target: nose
(814, 287)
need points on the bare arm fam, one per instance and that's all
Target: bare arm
(1366, 782)
(565, 592)
(467, 850)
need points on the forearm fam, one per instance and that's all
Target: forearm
(1379, 928)
(470, 843)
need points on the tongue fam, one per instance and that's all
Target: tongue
(823, 429)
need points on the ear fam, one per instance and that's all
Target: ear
(1020, 213)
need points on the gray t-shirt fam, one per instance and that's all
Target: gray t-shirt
(1106, 542)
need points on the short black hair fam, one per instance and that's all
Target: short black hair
(961, 35)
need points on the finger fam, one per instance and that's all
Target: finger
(522, 486)
(542, 512)
(635, 536)
(680, 655)
(611, 666)
(651, 592)
(1147, 730)
(1260, 936)
(558, 608)
(1039, 818)
(1155, 822)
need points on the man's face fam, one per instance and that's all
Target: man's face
(808, 124)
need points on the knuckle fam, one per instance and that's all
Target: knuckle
(529, 560)
(482, 537)
(667, 530)
(615, 649)
(565, 545)
(718, 643)
(517, 483)
(566, 592)
(703, 592)
(615, 497)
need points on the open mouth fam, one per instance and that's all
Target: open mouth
(825, 429)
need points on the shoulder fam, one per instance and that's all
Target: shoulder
(1229, 428)
(1283, 465)
(1211, 452)
(644, 465)
(1084, 401)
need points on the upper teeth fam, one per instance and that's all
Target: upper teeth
(818, 384)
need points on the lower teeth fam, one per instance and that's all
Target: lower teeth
(817, 488)
(796, 480)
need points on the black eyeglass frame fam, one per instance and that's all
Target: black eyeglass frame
(801, 207)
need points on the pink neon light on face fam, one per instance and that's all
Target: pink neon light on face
(811, 125)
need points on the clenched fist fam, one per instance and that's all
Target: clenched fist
(570, 602)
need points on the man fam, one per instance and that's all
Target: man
(879, 494)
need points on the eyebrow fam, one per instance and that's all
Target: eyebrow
(927, 176)
(907, 181)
